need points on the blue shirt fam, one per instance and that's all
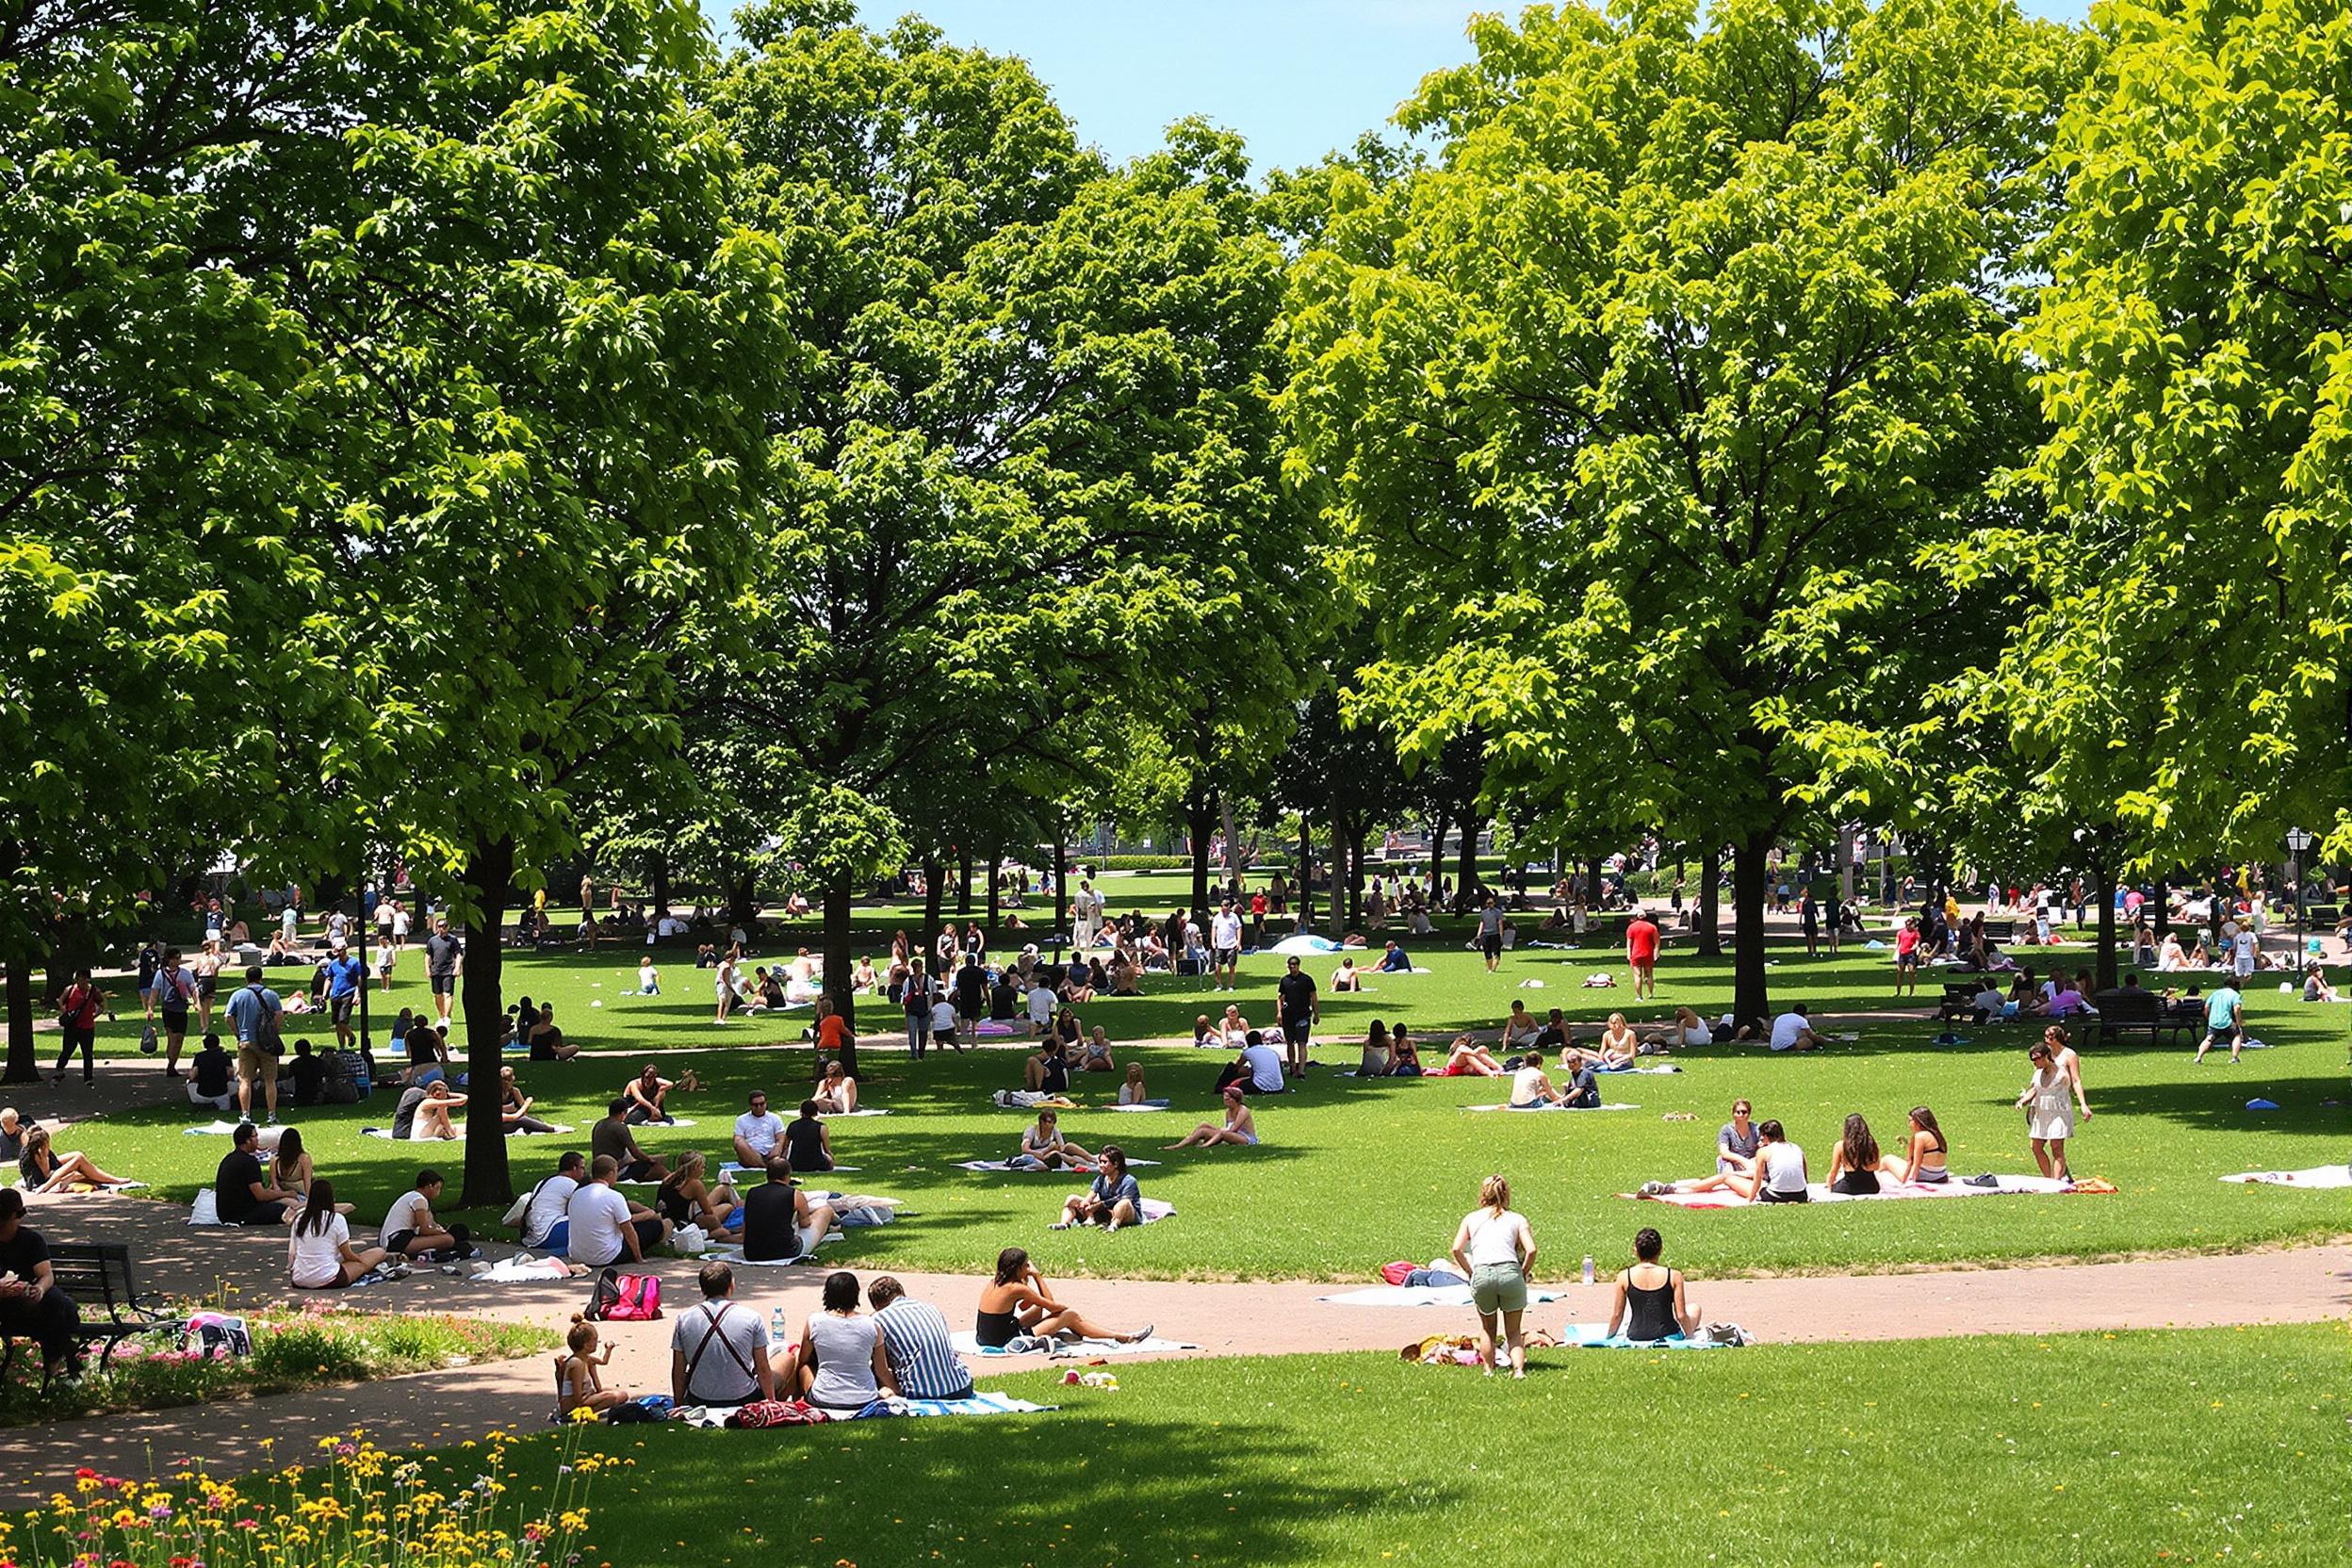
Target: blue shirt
(922, 1353)
(249, 1007)
(2221, 1008)
(1126, 1188)
(343, 976)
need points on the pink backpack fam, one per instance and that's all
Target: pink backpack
(1394, 1272)
(625, 1298)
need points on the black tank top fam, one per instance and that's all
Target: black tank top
(1650, 1312)
(804, 1145)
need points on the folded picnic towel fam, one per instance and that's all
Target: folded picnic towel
(1596, 1336)
(1611, 1106)
(2318, 1176)
(1420, 1296)
(968, 1343)
(983, 1402)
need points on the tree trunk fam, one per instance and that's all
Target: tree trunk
(1061, 881)
(490, 885)
(658, 867)
(1233, 833)
(743, 898)
(1338, 926)
(2103, 887)
(1306, 886)
(1845, 863)
(2163, 908)
(996, 891)
(963, 881)
(841, 983)
(1593, 889)
(1199, 816)
(1710, 904)
(1750, 998)
(1466, 866)
(933, 875)
(1437, 854)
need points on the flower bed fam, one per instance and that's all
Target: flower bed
(360, 1508)
(294, 1348)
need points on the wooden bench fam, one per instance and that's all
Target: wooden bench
(1959, 1002)
(97, 1275)
(2002, 931)
(2135, 1016)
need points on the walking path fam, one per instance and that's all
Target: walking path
(2306, 1284)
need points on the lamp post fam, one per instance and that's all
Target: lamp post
(2297, 842)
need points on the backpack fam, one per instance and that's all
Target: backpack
(1394, 1273)
(620, 1297)
(216, 1337)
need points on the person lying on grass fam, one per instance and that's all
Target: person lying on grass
(44, 1169)
(1469, 1059)
(1776, 1175)
(1043, 1148)
(318, 1251)
(1239, 1127)
(1650, 1302)
(1113, 1201)
(1017, 1301)
(837, 1095)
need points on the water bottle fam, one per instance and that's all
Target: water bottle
(776, 1326)
(1587, 1268)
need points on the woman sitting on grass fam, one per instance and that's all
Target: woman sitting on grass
(1618, 1047)
(1043, 1148)
(46, 1170)
(1922, 1159)
(1688, 1029)
(1131, 1092)
(647, 1096)
(1239, 1127)
(514, 1107)
(1778, 1167)
(1017, 1301)
(1469, 1059)
(1113, 1201)
(685, 1199)
(1377, 1061)
(578, 1386)
(1096, 1056)
(1853, 1170)
(318, 1251)
(290, 1167)
(1650, 1304)
(837, 1094)
(1406, 1054)
(433, 1112)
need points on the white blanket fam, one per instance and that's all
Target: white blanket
(968, 1343)
(1613, 1106)
(837, 1115)
(1421, 1296)
(2318, 1176)
(1035, 1170)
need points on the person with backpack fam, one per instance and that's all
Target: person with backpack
(77, 1019)
(719, 1353)
(174, 992)
(254, 1012)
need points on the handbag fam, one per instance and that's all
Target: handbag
(622, 1297)
(147, 1038)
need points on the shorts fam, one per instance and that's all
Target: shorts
(176, 1022)
(253, 1062)
(1498, 1288)
(339, 1008)
(208, 987)
(1492, 946)
(1295, 1030)
(1228, 956)
(2245, 968)
(1768, 1195)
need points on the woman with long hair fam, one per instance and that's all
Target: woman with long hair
(1922, 1159)
(46, 1170)
(1496, 1249)
(318, 1251)
(685, 1199)
(1376, 1061)
(1017, 1301)
(1853, 1170)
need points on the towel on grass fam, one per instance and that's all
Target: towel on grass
(2318, 1176)
(983, 1402)
(523, 1269)
(2006, 1185)
(1421, 1296)
(1037, 1170)
(968, 1343)
(1646, 1067)
(459, 1128)
(833, 1116)
(1596, 1336)
(734, 1168)
(1613, 1105)
(1147, 1105)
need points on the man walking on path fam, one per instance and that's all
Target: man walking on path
(1491, 933)
(445, 954)
(1225, 938)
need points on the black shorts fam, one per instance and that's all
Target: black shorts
(444, 985)
(1295, 1030)
(1768, 1195)
(1228, 956)
(176, 1022)
(1491, 946)
(340, 1009)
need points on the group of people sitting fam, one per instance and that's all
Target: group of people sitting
(1757, 1161)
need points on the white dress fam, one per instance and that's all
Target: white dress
(2050, 1113)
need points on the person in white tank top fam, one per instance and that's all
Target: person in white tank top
(1496, 1249)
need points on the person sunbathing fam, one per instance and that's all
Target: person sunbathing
(1017, 1302)
(1922, 1159)
(44, 1169)
(1131, 1092)
(1346, 978)
(1519, 1027)
(1239, 1127)
(1854, 1169)
(1688, 1029)
(837, 1095)
(685, 1199)
(2315, 986)
(433, 1112)
(1043, 1148)
(1377, 1061)
(1469, 1059)
(1618, 1047)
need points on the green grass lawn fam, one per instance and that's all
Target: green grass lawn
(1355, 1173)
(2108, 1448)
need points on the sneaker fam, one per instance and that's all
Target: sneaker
(1654, 1189)
(269, 1120)
(1147, 1332)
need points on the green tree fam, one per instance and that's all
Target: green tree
(1693, 334)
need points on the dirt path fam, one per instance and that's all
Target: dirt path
(2302, 1285)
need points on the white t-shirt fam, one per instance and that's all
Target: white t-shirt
(548, 1205)
(286, 922)
(400, 923)
(1041, 1007)
(1527, 1085)
(405, 1211)
(762, 1133)
(337, 925)
(598, 1216)
(1787, 1027)
(1784, 1166)
(1697, 1033)
(1265, 1068)
(944, 1015)
(1225, 930)
(317, 1260)
(2244, 942)
(1493, 1238)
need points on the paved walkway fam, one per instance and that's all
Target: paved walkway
(2301, 1285)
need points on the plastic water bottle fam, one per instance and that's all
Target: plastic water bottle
(1587, 1268)
(776, 1326)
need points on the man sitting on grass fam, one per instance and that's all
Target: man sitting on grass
(607, 1226)
(780, 1221)
(240, 1187)
(916, 1341)
(1793, 1030)
(411, 1230)
(611, 1140)
(719, 1351)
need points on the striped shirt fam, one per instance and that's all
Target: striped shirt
(924, 1363)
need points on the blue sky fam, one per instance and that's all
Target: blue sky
(1296, 77)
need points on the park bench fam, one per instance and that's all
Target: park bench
(2002, 931)
(1959, 1002)
(97, 1275)
(2135, 1017)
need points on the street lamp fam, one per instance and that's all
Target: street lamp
(2297, 842)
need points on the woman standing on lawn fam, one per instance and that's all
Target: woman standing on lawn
(2048, 1102)
(1495, 1247)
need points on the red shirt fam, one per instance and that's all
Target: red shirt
(832, 1032)
(1642, 942)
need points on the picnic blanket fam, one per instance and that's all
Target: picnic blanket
(1613, 1106)
(459, 1128)
(1647, 1067)
(983, 1402)
(2004, 1186)
(1144, 1105)
(968, 1343)
(1029, 1100)
(1420, 1296)
(2318, 1176)
(829, 1116)
(1596, 1336)
(1035, 1170)
(735, 1168)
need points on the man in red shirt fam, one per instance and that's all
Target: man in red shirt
(1642, 955)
